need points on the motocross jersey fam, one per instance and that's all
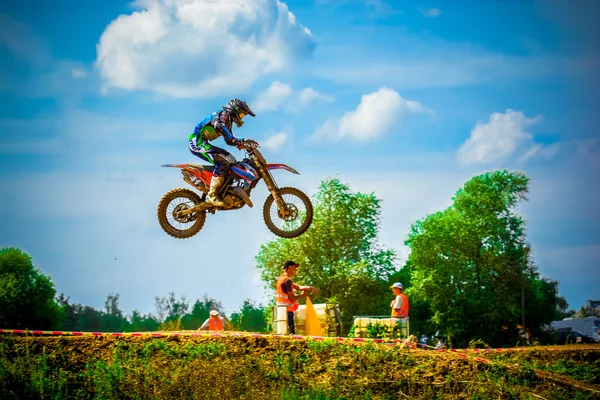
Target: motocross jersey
(218, 123)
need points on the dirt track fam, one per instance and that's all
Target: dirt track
(267, 367)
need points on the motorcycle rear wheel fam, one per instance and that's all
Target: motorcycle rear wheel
(196, 219)
(288, 193)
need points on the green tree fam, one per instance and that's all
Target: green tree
(339, 254)
(562, 308)
(249, 318)
(26, 293)
(468, 263)
(69, 313)
(585, 312)
(78, 317)
(169, 308)
(113, 318)
(88, 319)
(142, 323)
(542, 302)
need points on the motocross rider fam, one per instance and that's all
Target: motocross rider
(219, 123)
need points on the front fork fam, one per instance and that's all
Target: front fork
(272, 187)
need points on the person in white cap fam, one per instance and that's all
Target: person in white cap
(214, 323)
(400, 304)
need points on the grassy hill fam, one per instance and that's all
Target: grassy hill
(234, 367)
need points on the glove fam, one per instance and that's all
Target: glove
(254, 143)
(241, 142)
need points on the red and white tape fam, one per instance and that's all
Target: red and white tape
(171, 334)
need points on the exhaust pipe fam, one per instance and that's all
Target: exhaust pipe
(243, 195)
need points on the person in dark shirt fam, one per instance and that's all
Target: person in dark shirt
(285, 292)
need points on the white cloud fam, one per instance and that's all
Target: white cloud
(375, 116)
(432, 12)
(272, 98)
(546, 152)
(497, 139)
(306, 96)
(78, 73)
(275, 141)
(281, 96)
(531, 152)
(584, 151)
(200, 48)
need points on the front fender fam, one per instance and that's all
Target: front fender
(281, 166)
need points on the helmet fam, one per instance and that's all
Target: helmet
(238, 109)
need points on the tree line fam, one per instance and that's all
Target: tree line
(171, 314)
(467, 273)
(28, 301)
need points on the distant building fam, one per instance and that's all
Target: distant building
(592, 304)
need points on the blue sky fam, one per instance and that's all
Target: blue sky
(405, 99)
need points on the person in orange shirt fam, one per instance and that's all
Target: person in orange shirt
(214, 323)
(400, 304)
(285, 294)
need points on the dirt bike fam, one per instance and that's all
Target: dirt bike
(182, 212)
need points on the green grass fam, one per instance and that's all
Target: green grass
(261, 368)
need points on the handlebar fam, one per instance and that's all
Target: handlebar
(250, 144)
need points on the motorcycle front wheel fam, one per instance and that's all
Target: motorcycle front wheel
(300, 213)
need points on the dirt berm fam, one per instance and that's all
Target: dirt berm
(184, 367)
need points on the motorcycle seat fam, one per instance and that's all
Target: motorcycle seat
(210, 168)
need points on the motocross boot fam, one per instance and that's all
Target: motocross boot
(215, 184)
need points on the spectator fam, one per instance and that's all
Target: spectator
(400, 304)
(525, 336)
(285, 294)
(400, 308)
(214, 323)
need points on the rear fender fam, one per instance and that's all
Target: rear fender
(204, 175)
(281, 166)
(174, 165)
